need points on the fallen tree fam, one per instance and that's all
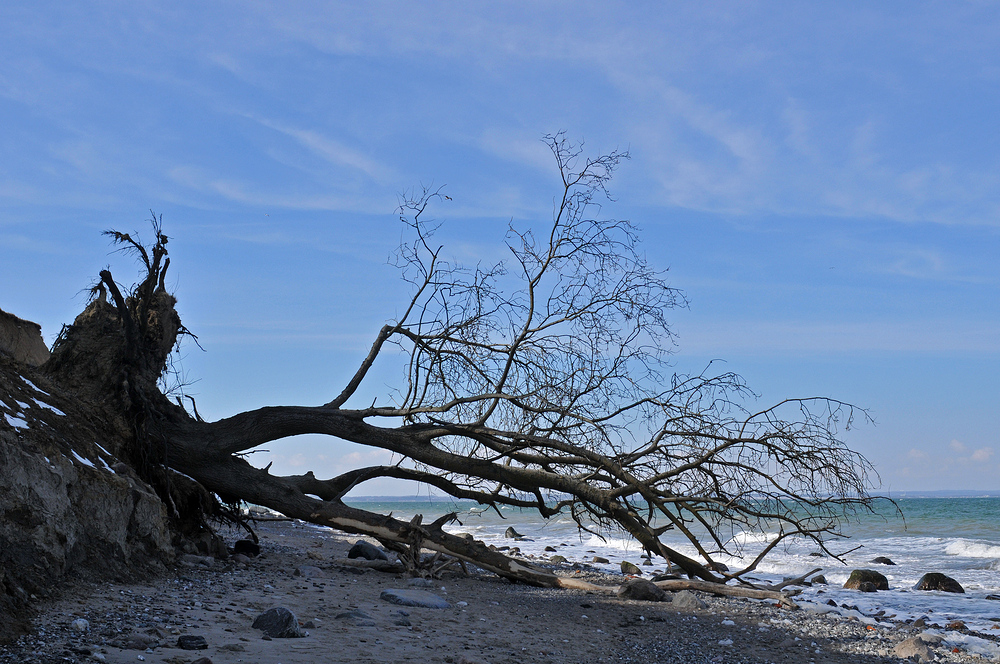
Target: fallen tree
(541, 382)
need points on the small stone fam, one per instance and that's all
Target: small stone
(278, 623)
(819, 580)
(420, 583)
(366, 550)
(913, 648)
(357, 617)
(955, 625)
(601, 560)
(408, 597)
(510, 533)
(80, 625)
(314, 554)
(643, 590)
(192, 642)
(240, 559)
(937, 581)
(139, 641)
(630, 569)
(202, 660)
(882, 560)
(716, 566)
(993, 597)
(558, 559)
(551, 549)
(867, 587)
(193, 560)
(309, 572)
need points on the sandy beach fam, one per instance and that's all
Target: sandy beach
(489, 620)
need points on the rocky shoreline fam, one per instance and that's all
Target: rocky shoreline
(204, 611)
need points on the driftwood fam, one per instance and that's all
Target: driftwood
(731, 591)
(797, 581)
(379, 565)
(783, 598)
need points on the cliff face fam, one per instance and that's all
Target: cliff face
(22, 340)
(67, 506)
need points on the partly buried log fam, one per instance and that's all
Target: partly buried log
(782, 598)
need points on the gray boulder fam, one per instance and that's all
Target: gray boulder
(192, 642)
(686, 599)
(937, 581)
(643, 590)
(363, 549)
(860, 576)
(630, 569)
(278, 623)
(913, 649)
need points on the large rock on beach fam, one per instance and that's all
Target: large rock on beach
(686, 599)
(630, 569)
(643, 590)
(366, 550)
(245, 547)
(860, 576)
(937, 581)
(278, 623)
(192, 642)
(411, 597)
(913, 649)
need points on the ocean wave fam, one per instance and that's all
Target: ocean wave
(745, 537)
(973, 549)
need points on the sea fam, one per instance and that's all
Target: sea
(958, 536)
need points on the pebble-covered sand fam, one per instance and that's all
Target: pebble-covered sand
(489, 620)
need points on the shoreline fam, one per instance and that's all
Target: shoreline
(490, 620)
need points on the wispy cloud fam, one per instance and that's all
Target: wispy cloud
(333, 151)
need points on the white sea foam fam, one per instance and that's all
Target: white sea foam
(973, 549)
(744, 538)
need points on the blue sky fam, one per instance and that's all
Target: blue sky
(821, 179)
